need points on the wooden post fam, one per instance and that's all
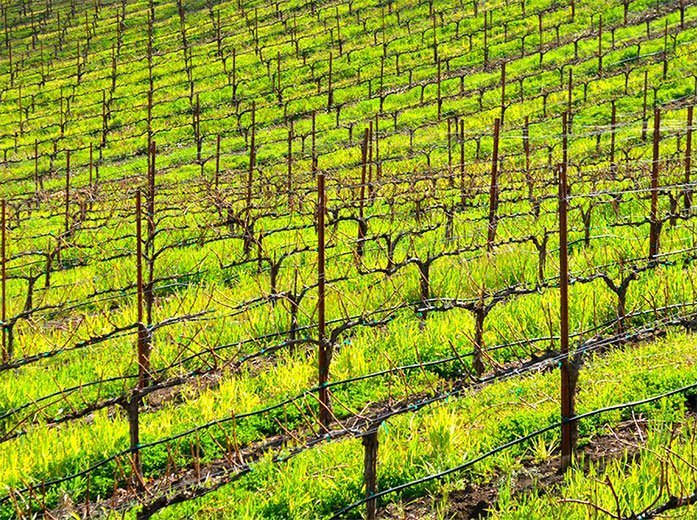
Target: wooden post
(626, 11)
(485, 46)
(570, 100)
(439, 99)
(330, 88)
(67, 191)
(613, 125)
(134, 403)
(338, 32)
(494, 189)
(503, 90)
(688, 159)
(150, 103)
(435, 38)
(450, 151)
(644, 120)
(655, 224)
(105, 119)
(140, 291)
(370, 475)
(378, 164)
(370, 160)
(37, 179)
(568, 429)
(665, 52)
(9, 56)
(248, 235)
(289, 177)
(197, 129)
(234, 75)
(361, 200)
(61, 115)
(217, 161)
(541, 33)
(526, 150)
(252, 158)
(462, 165)
(78, 69)
(150, 250)
(278, 78)
(323, 354)
(21, 110)
(600, 45)
(5, 352)
(113, 68)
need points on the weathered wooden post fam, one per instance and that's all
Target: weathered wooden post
(494, 189)
(688, 160)
(217, 161)
(133, 404)
(370, 475)
(324, 351)
(654, 239)
(361, 201)
(6, 356)
(568, 429)
(289, 173)
(67, 192)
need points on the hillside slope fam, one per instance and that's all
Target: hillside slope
(268, 260)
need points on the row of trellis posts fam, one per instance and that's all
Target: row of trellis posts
(144, 284)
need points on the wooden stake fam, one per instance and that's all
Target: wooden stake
(688, 160)
(370, 476)
(6, 355)
(438, 93)
(150, 249)
(463, 191)
(252, 158)
(37, 180)
(568, 429)
(134, 403)
(278, 78)
(289, 177)
(644, 126)
(613, 125)
(217, 161)
(330, 88)
(67, 191)
(370, 160)
(655, 224)
(494, 189)
(665, 52)
(248, 234)
(503, 90)
(361, 200)
(378, 164)
(91, 164)
(435, 38)
(526, 149)
(324, 352)
(600, 45)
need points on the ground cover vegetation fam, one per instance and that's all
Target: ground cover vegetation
(333, 259)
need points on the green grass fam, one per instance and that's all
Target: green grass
(230, 303)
